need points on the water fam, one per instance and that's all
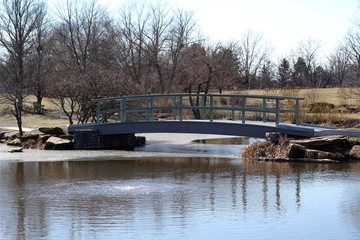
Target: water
(178, 198)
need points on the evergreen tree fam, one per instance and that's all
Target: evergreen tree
(284, 73)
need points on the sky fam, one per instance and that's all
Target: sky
(283, 23)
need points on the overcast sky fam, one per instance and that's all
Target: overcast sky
(283, 23)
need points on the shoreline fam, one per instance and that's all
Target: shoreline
(158, 145)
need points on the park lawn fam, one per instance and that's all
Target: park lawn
(54, 117)
(328, 95)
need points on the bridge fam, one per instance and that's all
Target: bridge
(223, 114)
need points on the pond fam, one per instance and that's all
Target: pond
(178, 197)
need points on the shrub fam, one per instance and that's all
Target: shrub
(321, 107)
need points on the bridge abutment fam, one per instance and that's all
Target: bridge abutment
(88, 139)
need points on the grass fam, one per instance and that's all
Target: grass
(52, 116)
(329, 95)
(345, 112)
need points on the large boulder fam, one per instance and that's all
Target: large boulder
(355, 152)
(317, 154)
(296, 151)
(55, 143)
(52, 131)
(29, 136)
(338, 144)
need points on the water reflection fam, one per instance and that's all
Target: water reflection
(227, 141)
(77, 199)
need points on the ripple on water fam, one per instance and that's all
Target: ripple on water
(106, 188)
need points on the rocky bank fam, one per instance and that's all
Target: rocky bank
(54, 138)
(318, 149)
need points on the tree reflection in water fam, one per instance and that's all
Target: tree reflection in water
(180, 186)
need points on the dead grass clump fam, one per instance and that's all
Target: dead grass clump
(321, 107)
(266, 150)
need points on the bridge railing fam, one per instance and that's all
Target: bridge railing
(174, 106)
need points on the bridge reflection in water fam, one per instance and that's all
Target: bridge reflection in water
(43, 196)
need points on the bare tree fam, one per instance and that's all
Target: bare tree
(150, 42)
(308, 50)
(252, 53)
(84, 55)
(129, 41)
(340, 64)
(347, 61)
(18, 22)
(40, 56)
(225, 67)
(197, 74)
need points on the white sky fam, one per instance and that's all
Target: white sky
(283, 23)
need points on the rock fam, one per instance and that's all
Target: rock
(355, 152)
(29, 136)
(273, 137)
(9, 135)
(44, 138)
(67, 136)
(139, 141)
(15, 142)
(317, 154)
(296, 151)
(338, 144)
(55, 143)
(14, 150)
(52, 131)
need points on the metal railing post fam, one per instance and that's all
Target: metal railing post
(203, 106)
(232, 108)
(181, 108)
(174, 107)
(243, 117)
(97, 112)
(147, 109)
(151, 108)
(264, 109)
(297, 112)
(277, 112)
(123, 109)
(211, 108)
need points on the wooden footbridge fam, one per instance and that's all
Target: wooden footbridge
(223, 114)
